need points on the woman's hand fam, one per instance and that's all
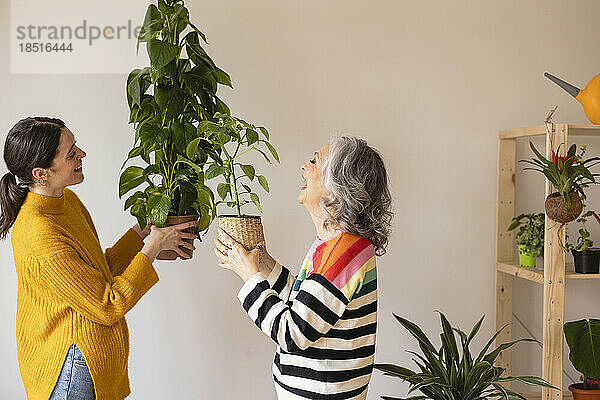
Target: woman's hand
(169, 238)
(232, 255)
(142, 232)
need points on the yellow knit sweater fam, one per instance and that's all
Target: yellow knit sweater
(70, 291)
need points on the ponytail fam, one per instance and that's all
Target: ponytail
(30, 144)
(12, 197)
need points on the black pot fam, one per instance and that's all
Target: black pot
(586, 261)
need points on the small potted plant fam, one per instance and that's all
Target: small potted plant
(569, 175)
(451, 371)
(530, 237)
(583, 338)
(241, 137)
(585, 256)
(183, 80)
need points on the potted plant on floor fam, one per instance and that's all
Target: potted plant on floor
(530, 237)
(569, 175)
(240, 137)
(583, 338)
(585, 256)
(183, 80)
(451, 372)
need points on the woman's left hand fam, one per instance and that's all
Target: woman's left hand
(142, 232)
(232, 255)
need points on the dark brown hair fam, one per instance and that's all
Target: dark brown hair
(31, 143)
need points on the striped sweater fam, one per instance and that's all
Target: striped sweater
(323, 321)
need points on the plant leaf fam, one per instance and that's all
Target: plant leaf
(272, 150)
(222, 77)
(213, 171)
(170, 100)
(132, 177)
(583, 338)
(158, 206)
(263, 182)
(161, 53)
(256, 201)
(223, 189)
(251, 136)
(248, 170)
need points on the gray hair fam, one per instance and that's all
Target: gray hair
(358, 199)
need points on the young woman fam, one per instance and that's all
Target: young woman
(324, 320)
(72, 337)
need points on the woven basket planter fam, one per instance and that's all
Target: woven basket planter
(245, 229)
(556, 207)
(174, 220)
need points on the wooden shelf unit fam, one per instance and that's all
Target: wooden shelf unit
(555, 271)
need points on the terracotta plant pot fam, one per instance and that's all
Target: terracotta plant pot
(174, 220)
(593, 383)
(245, 229)
(579, 393)
(556, 207)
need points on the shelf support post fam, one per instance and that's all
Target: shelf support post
(554, 283)
(504, 246)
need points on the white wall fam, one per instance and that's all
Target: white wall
(428, 83)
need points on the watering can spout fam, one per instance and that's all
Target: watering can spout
(572, 90)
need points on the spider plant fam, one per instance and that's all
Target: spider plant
(447, 373)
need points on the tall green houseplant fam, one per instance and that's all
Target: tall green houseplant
(167, 102)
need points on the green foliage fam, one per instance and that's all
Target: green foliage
(184, 81)
(583, 338)
(531, 232)
(451, 372)
(567, 173)
(241, 138)
(583, 241)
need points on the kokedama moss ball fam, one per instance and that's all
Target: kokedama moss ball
(556, 207)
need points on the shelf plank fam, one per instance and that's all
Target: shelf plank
(584, 130)
(538, 130)
(531, 274)
(576, 275)
(537, 275)
(522, 132)
(538, 395)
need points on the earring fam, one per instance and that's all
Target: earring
(41, 181)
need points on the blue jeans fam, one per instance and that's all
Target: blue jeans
(75, 381)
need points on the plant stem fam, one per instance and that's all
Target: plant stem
(237, 201)
(232, 181)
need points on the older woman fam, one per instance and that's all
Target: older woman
(324, 320)
(72, 337)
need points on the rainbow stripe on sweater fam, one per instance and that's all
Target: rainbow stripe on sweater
(346, 260)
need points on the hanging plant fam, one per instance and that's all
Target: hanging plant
(167, 100)
(569, 175)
